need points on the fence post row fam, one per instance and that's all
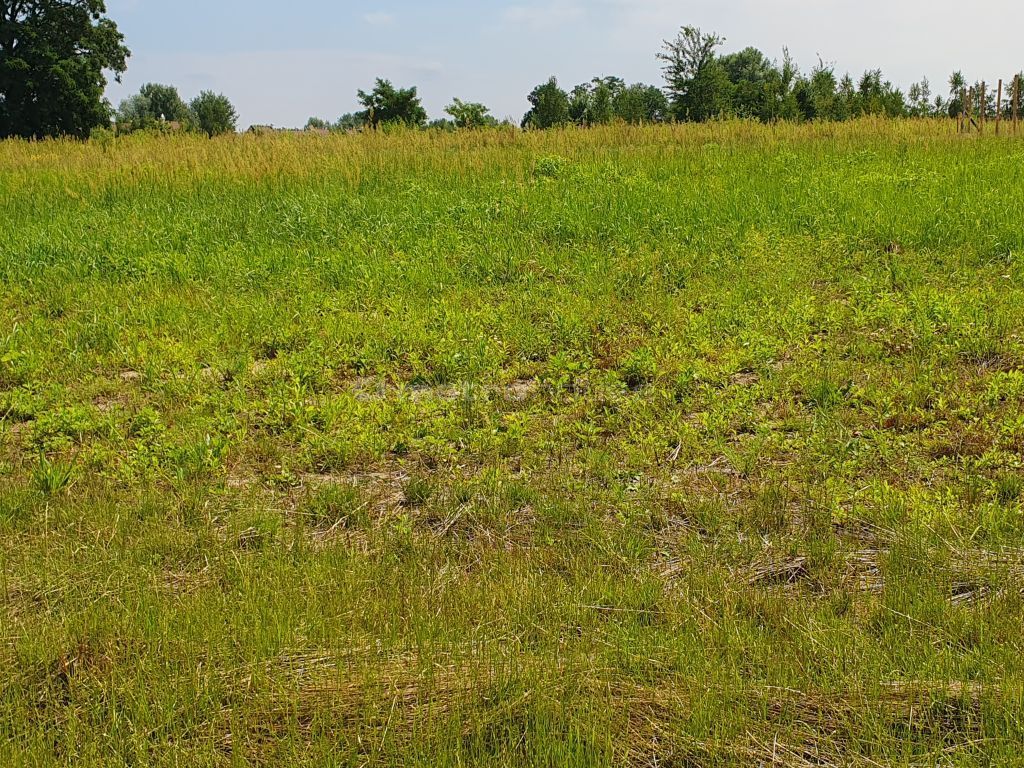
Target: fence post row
(1010, 108)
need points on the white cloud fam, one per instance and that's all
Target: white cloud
(547, 16)
(379, 18)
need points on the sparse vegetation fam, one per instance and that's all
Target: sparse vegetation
(641, 445)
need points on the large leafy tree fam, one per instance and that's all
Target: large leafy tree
(957, 88)
(697, 83)
(639, 103)
(165, 103)
(593, 103)
(350, 121)
(53, 58)
(153, 105)
(823, 89)
(878, 97)
(469, 114)
(213, 113)
(1015, 94)
(387, 104)
(549, 106)
(750, 72)
(919, 99)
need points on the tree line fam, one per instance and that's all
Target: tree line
(158, 106)
(54, 55)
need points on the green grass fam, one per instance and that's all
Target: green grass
(695, 445)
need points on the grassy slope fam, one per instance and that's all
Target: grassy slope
(696, 446)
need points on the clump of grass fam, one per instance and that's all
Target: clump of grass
(769, 512)
(52, 477)
(1008, 488)
(639, 368)
(335, 504)
(417, 491)
(551, 166)
(261, 533)
(824, 393)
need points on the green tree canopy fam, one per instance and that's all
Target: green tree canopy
(134, 113)
(387, 104)
(213, 113)
(469, 114)
(697, 82)
(639, 103)
(919, 99)
(53, 54)
(153, 105)
(750, 72)
(957, 87)
(165, 103)
(549, 106)
(602, 93)
(823, 93)
(350, 121)
(877, 97)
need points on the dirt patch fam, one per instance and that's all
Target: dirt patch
(183, 583)
(369, 388)
(864, 571)
(384, 487)
(772, 572)
(211, 374)
(745, 379)
(419, 392)
(109, 403)
(260, 366)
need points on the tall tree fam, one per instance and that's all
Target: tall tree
(696, 81)
(593, 103)
(549, 106)
(749, 71)
(957, 86)
(1015, 92)
(847, 95)
(579, 104)
(133, 113)
(351, 121)
(919, 99)
(824, 101)
(53, 54)
(154, 105)
(641, 103)
(214, 114)
(603, 92)
(468, 114)
(387, 104)
(165, 103)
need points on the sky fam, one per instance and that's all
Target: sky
(282, 62)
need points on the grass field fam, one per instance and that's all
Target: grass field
(677, 446)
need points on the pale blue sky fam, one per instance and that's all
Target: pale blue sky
(281, 62)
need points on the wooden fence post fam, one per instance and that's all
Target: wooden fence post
(1016, 102)
(981, 109)
(999, 105)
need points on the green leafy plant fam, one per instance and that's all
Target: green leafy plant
(52, 477)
